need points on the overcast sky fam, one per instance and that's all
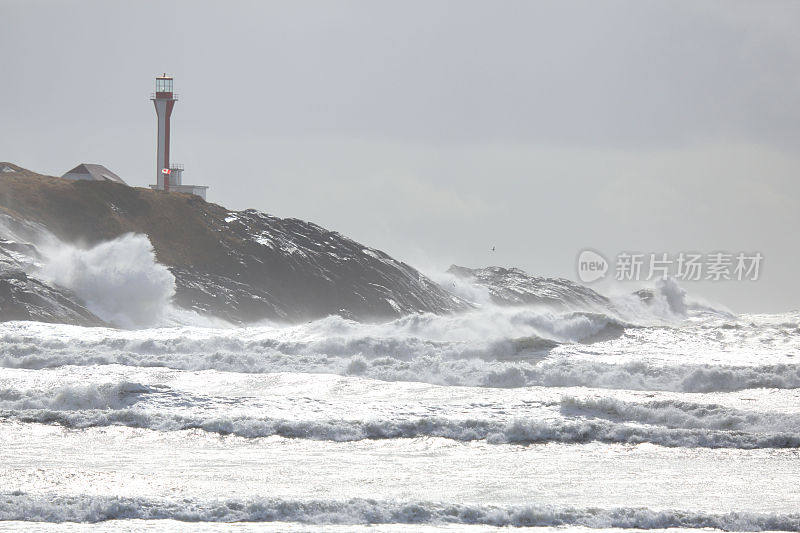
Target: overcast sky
(435, 130)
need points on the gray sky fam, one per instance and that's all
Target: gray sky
(435, 130)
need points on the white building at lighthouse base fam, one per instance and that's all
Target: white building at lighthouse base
(175, 181)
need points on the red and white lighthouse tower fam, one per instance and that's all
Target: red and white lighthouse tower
(164, 100)
(169, 176)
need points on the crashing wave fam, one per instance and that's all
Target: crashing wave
(56, 508)
(521, 431)
(120, 279)
(502, 363)
(667, 423)
(678, 414)
(75, 397)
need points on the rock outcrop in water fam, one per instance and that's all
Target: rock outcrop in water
(512, 286)
(23, 297)
(26, 298)
(241, 266)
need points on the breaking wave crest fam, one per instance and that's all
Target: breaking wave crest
(682, 415)
(523, 431)
(490, 348)
(646, 376)
(665, 423)
(505, 364)
(54, 508)
(75, 397)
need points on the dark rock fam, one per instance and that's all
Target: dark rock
(24, 298)
(512, 286)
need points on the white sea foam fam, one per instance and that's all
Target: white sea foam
(55, 508)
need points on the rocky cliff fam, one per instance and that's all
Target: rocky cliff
(241, 266)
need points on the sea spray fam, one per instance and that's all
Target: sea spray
(119, 280)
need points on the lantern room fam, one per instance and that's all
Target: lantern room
(164, 86)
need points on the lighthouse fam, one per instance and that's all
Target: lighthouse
(169, 176)
(164, 100)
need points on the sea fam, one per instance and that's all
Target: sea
(531, 418)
